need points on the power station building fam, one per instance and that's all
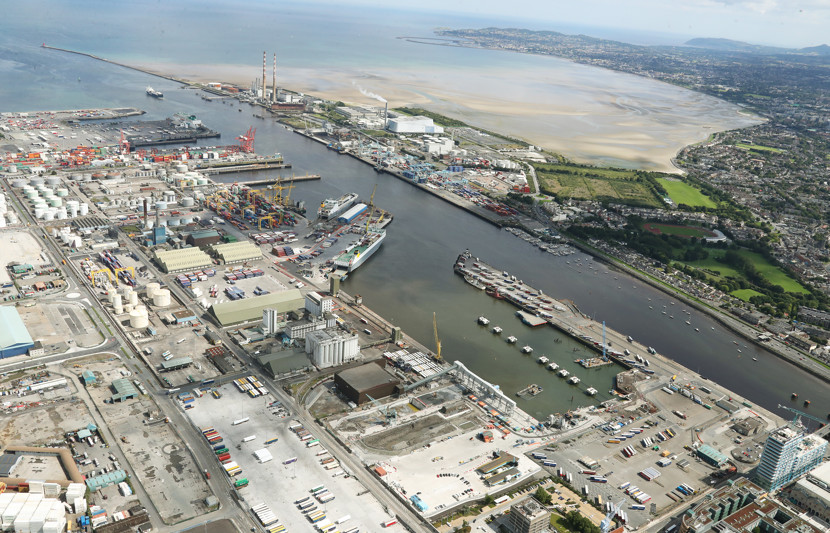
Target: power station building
(251, 309)
(14, 337)
(407, 124)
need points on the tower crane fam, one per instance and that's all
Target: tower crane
(437, 340)
(608, 521)
(799, 414)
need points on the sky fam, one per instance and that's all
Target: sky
(787, 23)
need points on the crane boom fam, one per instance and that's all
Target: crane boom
(437, 340)
(802, 413)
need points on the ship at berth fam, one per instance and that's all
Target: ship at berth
(357, 254)
(331, 207)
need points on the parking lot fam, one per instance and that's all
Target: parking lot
(280, 482)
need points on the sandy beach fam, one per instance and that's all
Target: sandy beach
(588, 114)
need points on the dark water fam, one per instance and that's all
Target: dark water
(411, 276)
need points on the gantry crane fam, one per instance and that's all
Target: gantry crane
(371, 207)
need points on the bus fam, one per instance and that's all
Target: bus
(271, 441)
(501, 499)
(389, 523)
(216, 394)
(289, 461)
(637, 507)
(317, 489)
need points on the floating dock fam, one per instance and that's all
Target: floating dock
(531, 320)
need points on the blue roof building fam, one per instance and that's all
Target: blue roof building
(14, 338)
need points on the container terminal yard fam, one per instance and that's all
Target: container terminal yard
(213, 358)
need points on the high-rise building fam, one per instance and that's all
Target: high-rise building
(529, 517)
(788, 453)
(317, 304)
(270, 321)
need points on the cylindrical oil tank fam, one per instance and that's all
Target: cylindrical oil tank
(187, 201)
(46, 192)
(133, 298)
(111, 294)
(125, 290)
(118, 304)
(84, 209)
(151, 289)
(139, 319)
(53, 181)
(161, 298)
(113, 175)
(31, 194)
(55, 202)
(161, 206)
(181, 167)
(128, 308)
(169, 196)
(173, 221)
(62, 192)
(39, 212)
(34, 182)
(49, 215)
(18, 183)
(201, 181)
(60, 214)
(187, 220)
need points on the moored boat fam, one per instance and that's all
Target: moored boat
(483, 320)
(543, 360)
(511, 339)
(526, 349)
(590, 391)
(553, 366)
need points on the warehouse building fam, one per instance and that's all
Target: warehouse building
(712, 456)
(331, 347)
(358, 383)
(203, 238)
(88, 377)
(250, 309)
(175, 364)
(123, 390)
(407, 124)
(237, 252)
(181, 260)
(14, 338)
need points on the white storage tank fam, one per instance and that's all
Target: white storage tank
(118, 304)
(18, 183)
(151, 289)
(61, 213)
(83, 209)
(173, 221)
(187, 201)
(49, 215)
(139, 319)
(161, 206)
(62, 192)
(128, 308)
(39, 212)
(53, 181)
(34, 182)
(161, 298)
(55, 202)
(133, 298)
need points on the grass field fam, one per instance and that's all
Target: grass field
(745, 294)
(758, 148)
(591, 183)
(681, 192)
(771, 273)
(678, 231)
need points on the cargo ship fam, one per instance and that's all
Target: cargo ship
(154, 93)
(330, 207)
(357, 254)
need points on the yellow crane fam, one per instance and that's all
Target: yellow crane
(372, 207)
(437, 340)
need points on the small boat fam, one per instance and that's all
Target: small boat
(553, 366)
(483, 321)
(688, 323)
(590, 391)
(543, 360)
(754, 358)
(563, 373)
(511, 339)
(795, 395)
(497, 330)
(630, 338)
(526, 349)
(806, 403)
(573, 380)
(697, 329)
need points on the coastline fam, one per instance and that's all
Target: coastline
(721, 317)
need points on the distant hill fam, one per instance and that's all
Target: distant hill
(820, 50)
(729, 45)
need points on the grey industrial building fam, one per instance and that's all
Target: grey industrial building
(249, 309)
(358, 383)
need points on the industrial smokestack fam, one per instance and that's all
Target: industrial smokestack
(145, 212)
(264, 58)
(385, 114)
(274, 83)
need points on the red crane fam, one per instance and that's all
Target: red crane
(246, 141)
